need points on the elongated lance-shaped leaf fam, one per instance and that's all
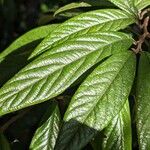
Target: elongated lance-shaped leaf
(118, 132)
(141, 4)
(126, 5)
(74, 136)
(102, 95)
(27, 38)
(46, 135)
(94, 21)
(54, 71)
(97, 101)
(143, 102)
(4, 145)
(71, 6)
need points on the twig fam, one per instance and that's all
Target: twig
(145, 34)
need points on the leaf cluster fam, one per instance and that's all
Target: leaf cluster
(101, 55)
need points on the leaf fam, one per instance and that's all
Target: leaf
(98, 100)
(4, 145)
(15, 61)
(46, 135)
(118, 132)
(101, 3)
(74, 136)
(27, 38)
(19, 51)
(126, 5)
(141, 4)
(54, 71)
(108, 85)
(71, 6)
(94, 21)
(143, 102)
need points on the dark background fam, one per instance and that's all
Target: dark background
(19, 16)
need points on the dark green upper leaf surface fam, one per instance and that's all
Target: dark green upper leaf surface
(126, 5)
(118, 132)
(27, 38)
(94, 21)
(141, 4)
(102, 95)
(74, 136)
(143, 102)
(98, 100)
(55, 70)
(46, 135)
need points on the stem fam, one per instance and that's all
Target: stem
(145, 34)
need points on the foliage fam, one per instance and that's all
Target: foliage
(89, 76)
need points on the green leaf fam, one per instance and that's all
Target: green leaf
(94, 21)
(118, 132)
(101, 96)
(71, 6)
(141, 4)
(143, 102)
(54, 71)
(74, 136)
(27, 38)
(46, 135)
(97, 101)
(101, 3)
(126, 5)
(13, 63)
(19, 51)
(4, 145)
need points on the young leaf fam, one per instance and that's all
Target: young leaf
(141, 4)
(118, 132)
(101, 3)
(126, 5)
(143, 102)
(94, 21)
(97, 101)
(4, 145)
(54, 71)
(27, 38)
(71, 6)
(101, 96)
(46, 135)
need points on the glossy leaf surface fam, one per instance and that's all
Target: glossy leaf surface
(126, 5)
(143, 102)
(94, 21)
(97, 101)
(118, 132)
(56, 70)
(53, 72)
(74, 136)
(46, 135)
(104, 92)
(141, 4)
